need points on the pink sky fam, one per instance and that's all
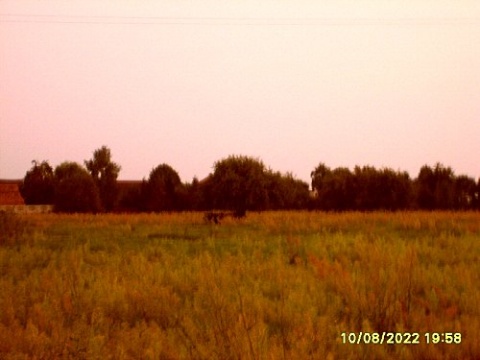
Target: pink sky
(295, 83)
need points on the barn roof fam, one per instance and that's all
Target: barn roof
(10, 192)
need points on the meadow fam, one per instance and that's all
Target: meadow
(275, 285)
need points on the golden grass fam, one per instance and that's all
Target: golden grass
(277, 285)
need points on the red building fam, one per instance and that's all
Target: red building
(10, 192)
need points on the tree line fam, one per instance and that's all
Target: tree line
(241, 183)
(366, 188)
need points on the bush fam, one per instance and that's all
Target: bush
(75, 190)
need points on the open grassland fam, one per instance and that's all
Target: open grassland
(279, 285)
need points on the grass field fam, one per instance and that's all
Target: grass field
(277, 285)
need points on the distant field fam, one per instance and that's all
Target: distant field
(276, 285)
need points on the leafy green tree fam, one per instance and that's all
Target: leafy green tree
(75, 190)
(163, 190)
(38, 184)
(445, 187)
(130, 196)
(382, 189)
(399, 189)
(435, 187)
(366, 188)
(286, 192)
(340, 190)
(105, 173)
(204, 193)
(425, 188)
(319, 175)
(239, 183)
(465, 193)
(335, 188)
(193, 195)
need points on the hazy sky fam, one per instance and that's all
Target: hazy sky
(359, 82)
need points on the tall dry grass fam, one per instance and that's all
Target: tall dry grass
(279, 285)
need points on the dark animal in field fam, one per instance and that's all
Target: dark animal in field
(217, 216)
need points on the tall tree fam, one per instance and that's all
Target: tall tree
(400, 189)
(163, 190)
(340, 189)
(335, 188)
(465, 193)
(286, 192)
(239, 183)
(75, 190)
(366, 188)
(319, 175)
(435, 187)
(382, 189)
(38, 184)
(104, 173)
(193, 195)
(425, 188)
(130, 196)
